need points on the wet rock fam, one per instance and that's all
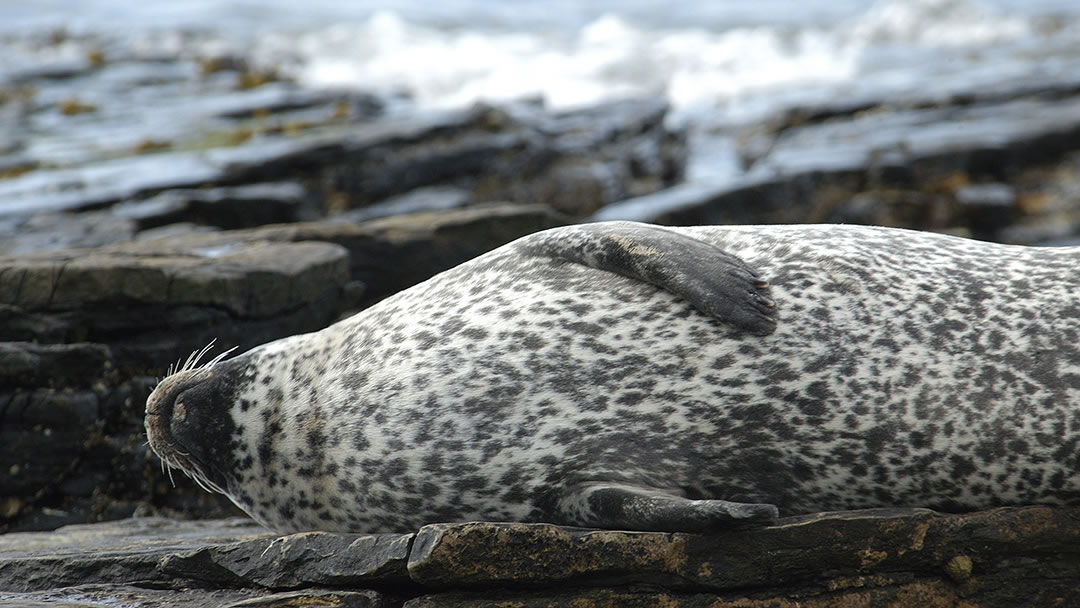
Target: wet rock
(54, 231)
(225, 208)
(960, 92)
(989, 141)
(931, 169)
(904, 558)
(393, 253)
(602, 154)
(774, 199)
(574, 162)
(279, 97)
(432, 198)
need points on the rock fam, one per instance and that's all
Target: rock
(310, 559)
(771, 199)
(54, 231)
(572, 162)
(432, 198)
(393, 253)
(389, 254)
(44, 434)
(98, 562)
(280, 97)
(27, 364)
(930, 169)
(149, 300)
(989, 207)
(131, 596)
(177, 229)
(794, 553)
(113, 553)
(960, 92)
(225, 208)
(902, 557)
(607, 153)
(304, 599)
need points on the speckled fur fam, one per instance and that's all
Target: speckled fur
(906, 369)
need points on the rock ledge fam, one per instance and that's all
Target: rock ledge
(1011, 557)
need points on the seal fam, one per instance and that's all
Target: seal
(621, 375)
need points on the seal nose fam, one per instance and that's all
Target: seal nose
(153, 402)
(163, 406)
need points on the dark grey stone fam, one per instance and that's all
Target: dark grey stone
(904, 558)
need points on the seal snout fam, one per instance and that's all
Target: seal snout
(165, 407)
(186, 428)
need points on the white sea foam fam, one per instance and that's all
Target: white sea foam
(744, 70)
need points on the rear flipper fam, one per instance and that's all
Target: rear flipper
(632, 508)
(717, 283)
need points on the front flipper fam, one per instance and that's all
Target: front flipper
(715, 282)
(631, 508)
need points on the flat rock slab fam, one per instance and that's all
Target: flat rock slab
(97, 596)
(1006, 557)
(150, 301)
(118, 553)
(247, 279)
(159, 553)
(797, 551)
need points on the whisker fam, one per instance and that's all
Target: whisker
(187, 362)
(218, 358)
(201, 353)
(192, 360)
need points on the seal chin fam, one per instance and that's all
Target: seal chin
(172, 426)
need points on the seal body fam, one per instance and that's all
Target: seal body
(619, 375)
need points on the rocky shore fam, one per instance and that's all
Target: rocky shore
(269, 210)
(1007, 557)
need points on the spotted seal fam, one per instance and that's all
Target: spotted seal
(623, 375)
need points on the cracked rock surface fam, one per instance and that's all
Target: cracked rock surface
(897, 557)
